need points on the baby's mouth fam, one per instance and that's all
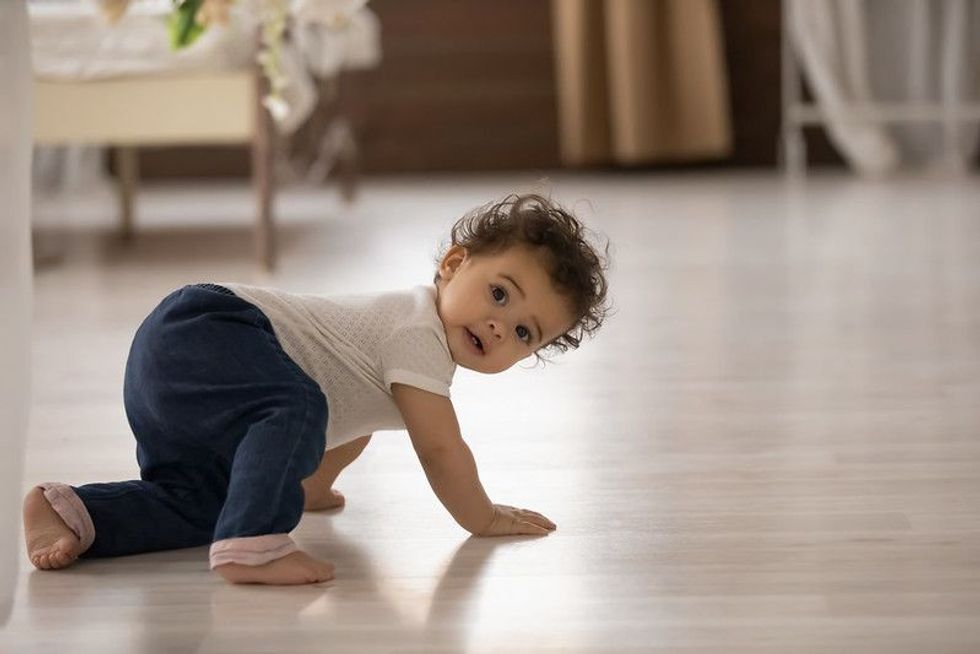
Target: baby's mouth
(475, 340)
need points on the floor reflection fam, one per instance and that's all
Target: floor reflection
(127, 610)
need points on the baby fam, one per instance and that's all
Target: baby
(246, 403)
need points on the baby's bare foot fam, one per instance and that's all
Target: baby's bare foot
(322, 501)
(290, 570)
(50, 543)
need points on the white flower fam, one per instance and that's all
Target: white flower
(276, 106)
(334, 14)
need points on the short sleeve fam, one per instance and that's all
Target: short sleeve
(415, 356)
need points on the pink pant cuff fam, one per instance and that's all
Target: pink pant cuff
(252, 550)
(66, 503)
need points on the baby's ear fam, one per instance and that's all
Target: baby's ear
(451, 261)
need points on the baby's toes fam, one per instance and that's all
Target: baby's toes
(322, 571)
(51, 558)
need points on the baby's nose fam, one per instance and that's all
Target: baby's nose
(496, 329)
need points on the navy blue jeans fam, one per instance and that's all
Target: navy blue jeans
(226, 425)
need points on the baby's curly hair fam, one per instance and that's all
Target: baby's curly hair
(574, 266)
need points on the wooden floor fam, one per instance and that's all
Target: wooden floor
(773, 446)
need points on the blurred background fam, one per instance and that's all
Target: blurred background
(439, 86)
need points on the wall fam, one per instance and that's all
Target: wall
(469, 85)
(16, 103)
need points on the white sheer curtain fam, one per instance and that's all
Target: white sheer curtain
(913, 52)
(16, 136)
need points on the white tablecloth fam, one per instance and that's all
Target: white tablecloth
(72, 41)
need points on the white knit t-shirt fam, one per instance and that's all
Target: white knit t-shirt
(356, 346)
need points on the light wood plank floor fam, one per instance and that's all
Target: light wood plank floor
(773, 446)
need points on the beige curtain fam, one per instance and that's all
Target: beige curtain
(640, 81)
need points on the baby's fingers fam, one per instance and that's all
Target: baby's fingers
(525, 528)
(538, 519)
(510, 520)
(540, 523)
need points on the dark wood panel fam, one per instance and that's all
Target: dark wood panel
(469, 85)
(463, 85)
(466, 85)
(752, 30)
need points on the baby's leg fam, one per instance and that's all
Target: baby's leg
(318, 491)
(62, 523)
(265, 495)
(206, 369)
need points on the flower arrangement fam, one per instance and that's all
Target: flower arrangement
(190, 18)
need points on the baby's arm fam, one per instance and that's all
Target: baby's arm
(451, 469)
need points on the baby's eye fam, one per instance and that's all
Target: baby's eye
(499, 294)
(524, 333)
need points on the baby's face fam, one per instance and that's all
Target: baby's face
(498, 308)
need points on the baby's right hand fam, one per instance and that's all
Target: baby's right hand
(510, 521)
